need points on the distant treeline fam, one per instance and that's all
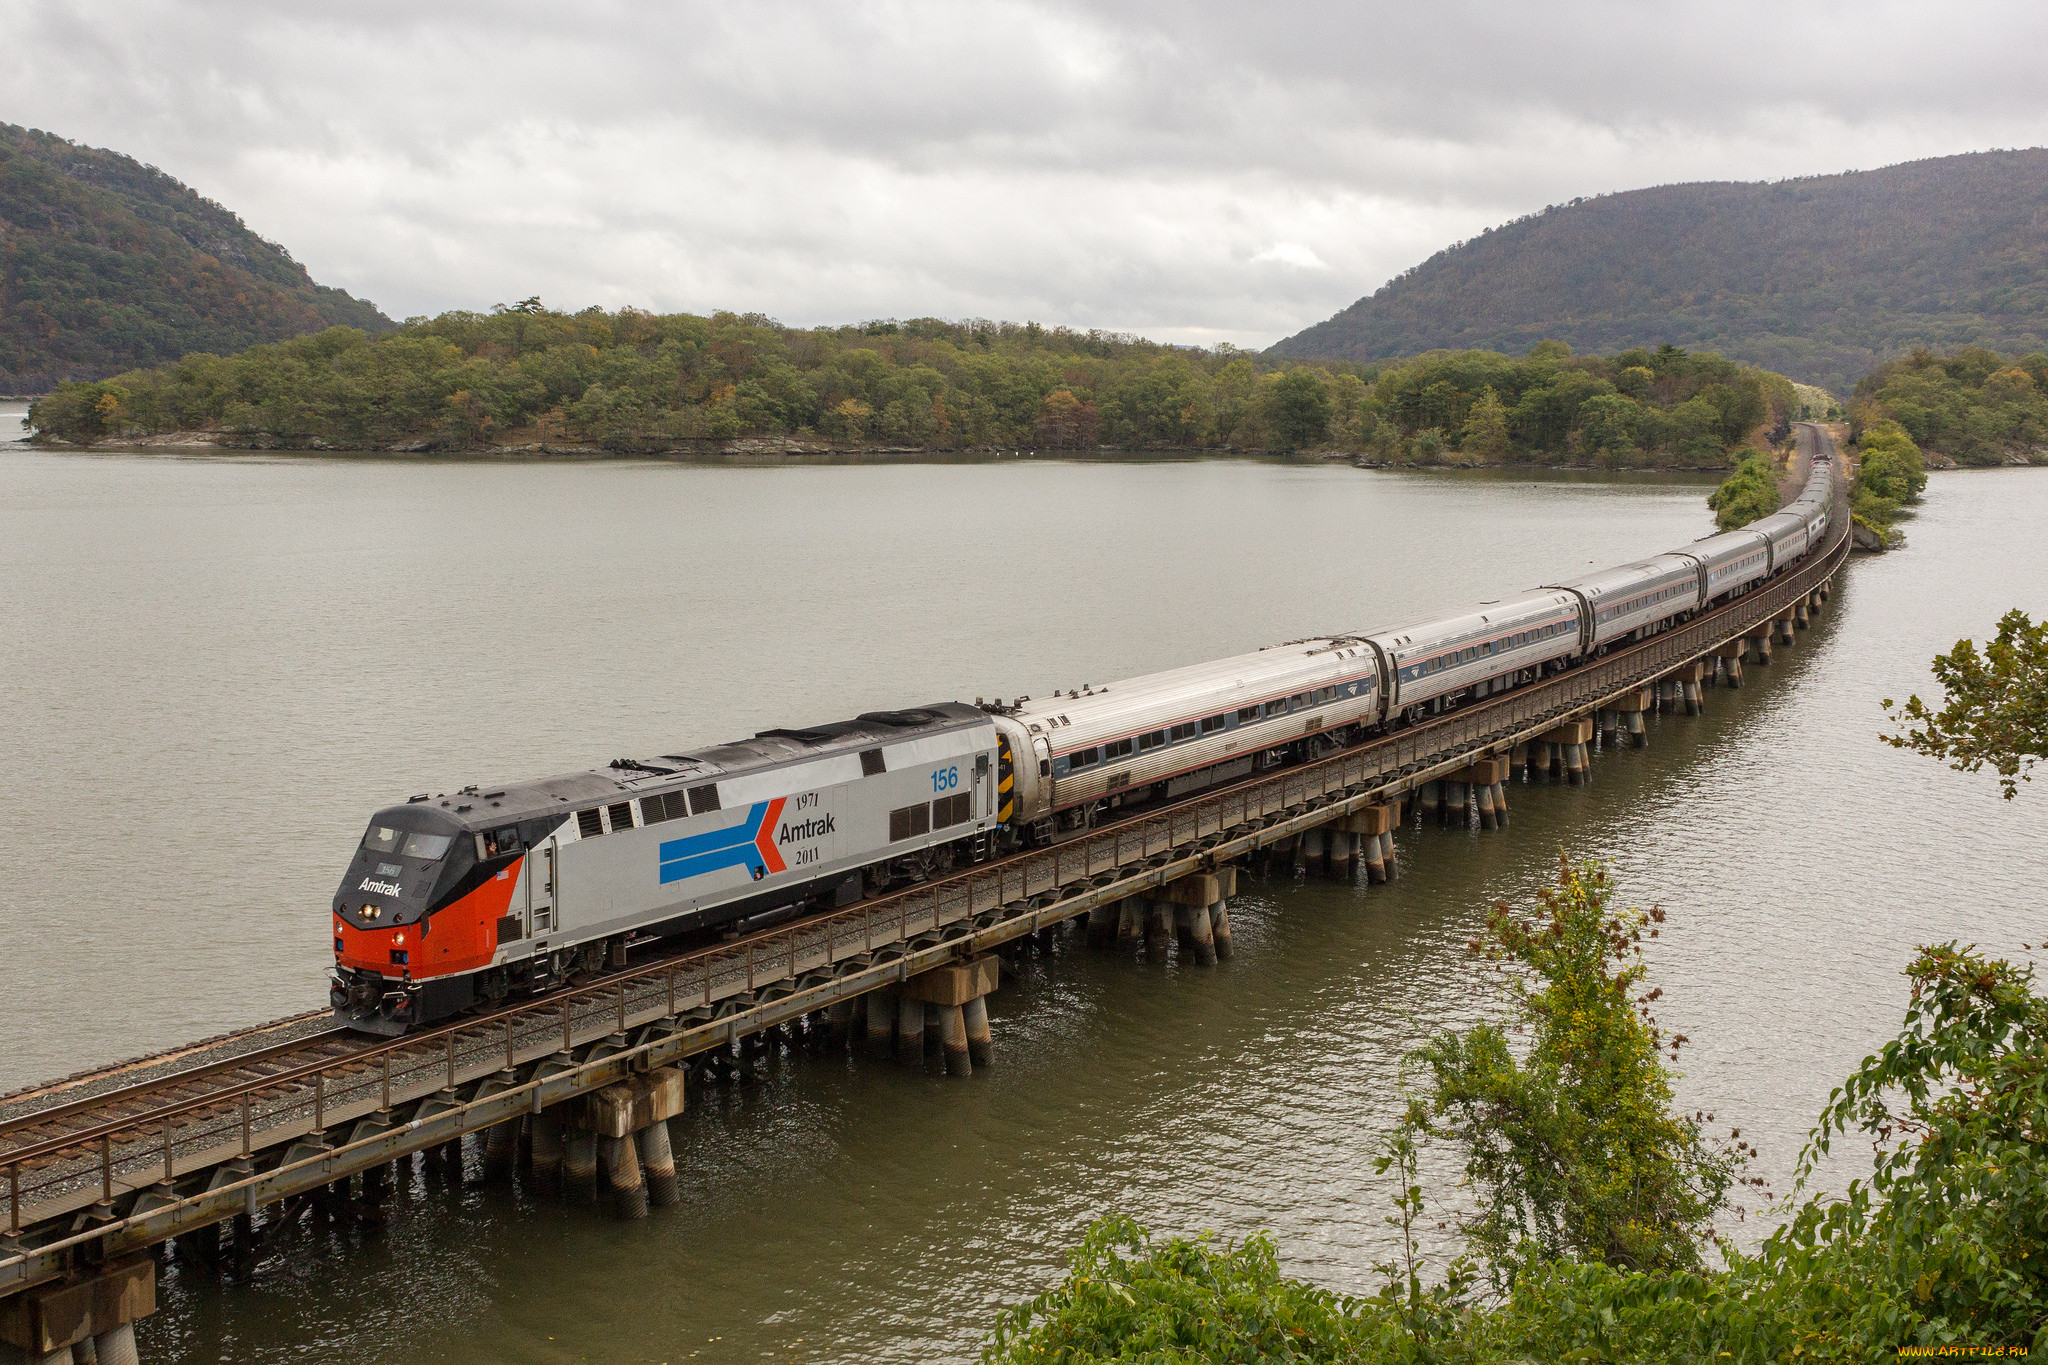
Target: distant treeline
(1973, 406)
(634, 381)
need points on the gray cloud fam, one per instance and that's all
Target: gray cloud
(1194, 171)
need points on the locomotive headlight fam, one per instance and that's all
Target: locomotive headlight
(401, 940)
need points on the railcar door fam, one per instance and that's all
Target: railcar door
(540, 890)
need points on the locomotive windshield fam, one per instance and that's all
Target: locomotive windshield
(410, 843)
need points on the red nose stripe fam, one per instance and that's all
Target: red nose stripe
(771, 858)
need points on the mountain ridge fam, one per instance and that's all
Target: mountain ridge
(1820, 278)
(107, 264)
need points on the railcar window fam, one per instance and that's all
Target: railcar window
(427, 846)
(1211, 724)
(1116, 748)
(1247, 714)
(1084, 758)
(1181, 732)
(382, 839)
(1151, 741)
(704, 798)
(589, 823)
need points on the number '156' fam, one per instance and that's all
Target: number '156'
(945, 779)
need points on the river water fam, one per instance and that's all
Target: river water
(215, 666)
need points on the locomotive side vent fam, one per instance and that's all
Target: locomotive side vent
(622, 816)
(588, 823)
(871, 763)
(704, 798)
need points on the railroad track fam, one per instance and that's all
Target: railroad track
(101, 1133)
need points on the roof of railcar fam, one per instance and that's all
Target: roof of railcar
(482, 806)
(1196, 689)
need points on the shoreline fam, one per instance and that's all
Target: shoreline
(776, 451)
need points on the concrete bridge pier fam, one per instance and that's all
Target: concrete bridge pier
(1800, 617)
(1130, 925)
(1219, 928)
(501, 1152)
(1102, 925)
(1429, 801)
(1313, 857)
(838, 1023)
(1759, 643)
(1731, 662)
(1605, 722)
(1631, 708)
(547, 1152)
(579, 1167)
(1785, 629)
(1343, 855)
(617, 1119)
(88, 1316)
(1372, 829)
(881, 1014)
(1569, 740)
(625, 1186)
(1195, 896)
(910, 1029)
(658, 1165)
(1158, 929)
(953, 988)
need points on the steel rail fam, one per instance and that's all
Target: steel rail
(1443, 742)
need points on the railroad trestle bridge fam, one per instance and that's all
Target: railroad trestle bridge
(101, 1171)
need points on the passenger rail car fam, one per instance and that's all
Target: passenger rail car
(1479, 652)
(455, 901)
(1156, 738)
(1636, 600)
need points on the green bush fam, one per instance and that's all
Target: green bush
(1748, 493)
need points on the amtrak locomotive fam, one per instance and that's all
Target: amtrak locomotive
(470, 898)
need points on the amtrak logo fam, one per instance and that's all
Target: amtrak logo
(381, 888)
(749, 844)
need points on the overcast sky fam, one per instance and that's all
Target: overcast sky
(1190, 170)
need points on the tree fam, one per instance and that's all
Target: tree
(1995, 709)
(1572, 1149)
(1748, 493)
(1486, 427)
(1298, 409)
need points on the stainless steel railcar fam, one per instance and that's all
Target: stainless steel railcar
(1160, 736)
(1635, 600)
(1487, 649)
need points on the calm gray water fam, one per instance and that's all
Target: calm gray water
(215, 666)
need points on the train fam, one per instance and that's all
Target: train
(460, 901)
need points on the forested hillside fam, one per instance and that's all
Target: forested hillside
(106, 264)
(634, 381)
(1820, 279)
(1974, 407)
